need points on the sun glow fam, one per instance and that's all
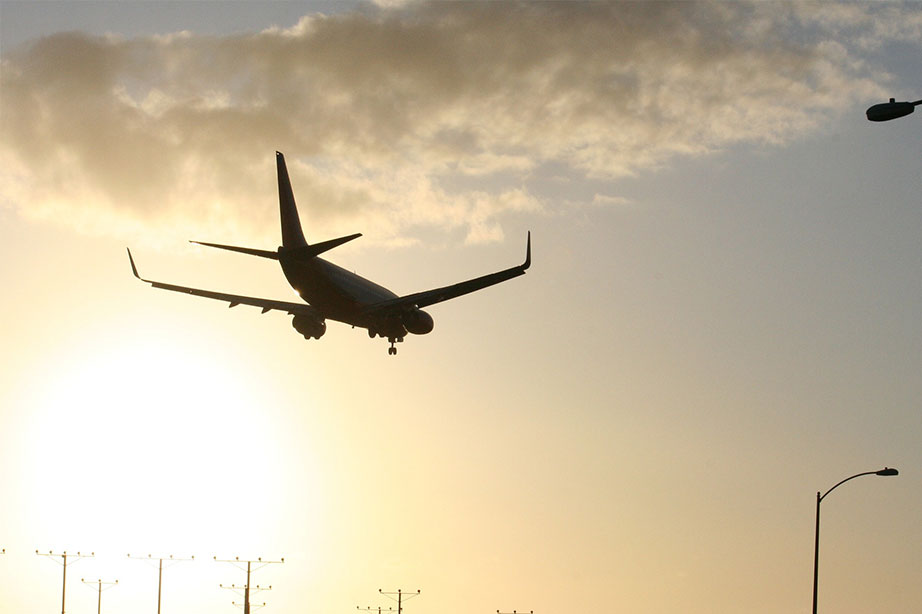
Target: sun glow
(148, 444)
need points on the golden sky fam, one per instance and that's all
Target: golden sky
(721, 317)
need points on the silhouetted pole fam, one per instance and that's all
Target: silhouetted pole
(816, 542)
(64, 556)
(236, 562)
(99, 590)
(401, 596)
(170, 559)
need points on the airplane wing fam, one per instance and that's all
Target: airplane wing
(234, 299)
(431, 297)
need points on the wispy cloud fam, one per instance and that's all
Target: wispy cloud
(402, 115)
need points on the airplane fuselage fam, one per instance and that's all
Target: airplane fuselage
(339, 294)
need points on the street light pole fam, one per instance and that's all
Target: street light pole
(886, 471)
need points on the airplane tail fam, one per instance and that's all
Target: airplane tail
(292, 235)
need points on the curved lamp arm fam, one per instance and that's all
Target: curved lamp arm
(884, 471)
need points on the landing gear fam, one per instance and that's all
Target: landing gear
(392, 351)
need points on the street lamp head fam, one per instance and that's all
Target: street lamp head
(887, 471)
(886, 111)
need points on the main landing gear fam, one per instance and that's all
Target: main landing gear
(392, 351)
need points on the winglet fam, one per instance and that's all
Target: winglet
(134, 269)
(527, 262)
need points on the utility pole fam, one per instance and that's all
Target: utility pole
(259, 564)
(100, 587)
(63, 556)
(171, 560)
(401, 597)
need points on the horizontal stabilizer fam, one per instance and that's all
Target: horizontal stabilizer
(262, 253)
(310, 251)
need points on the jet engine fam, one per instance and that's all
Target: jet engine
(309, 326)
(418, 322)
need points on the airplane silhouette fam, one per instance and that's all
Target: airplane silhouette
(333, 293)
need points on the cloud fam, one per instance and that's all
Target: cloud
(395, 119)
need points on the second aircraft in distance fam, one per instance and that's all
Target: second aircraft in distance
(333, 292)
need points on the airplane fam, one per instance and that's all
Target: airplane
(333, 293)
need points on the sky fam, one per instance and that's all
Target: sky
(720, 320)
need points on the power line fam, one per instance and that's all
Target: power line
(171, 560)
(63, 563)
(238, 563)
(100, 587)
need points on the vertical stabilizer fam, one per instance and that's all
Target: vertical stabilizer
(292, 235)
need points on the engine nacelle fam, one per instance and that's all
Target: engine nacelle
(418, 322)
(309, 326)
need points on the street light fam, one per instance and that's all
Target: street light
(886, 471)
(886, 111)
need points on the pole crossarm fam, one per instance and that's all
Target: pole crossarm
(167, 560)
(242, 564)
(400, 595)
(252, 606)
(100, 585)
(64, 556)
(516, 612)
(240, 589)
